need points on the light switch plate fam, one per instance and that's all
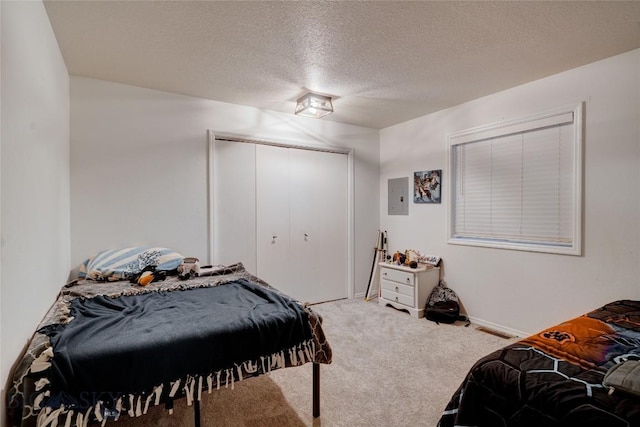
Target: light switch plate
(398, 196)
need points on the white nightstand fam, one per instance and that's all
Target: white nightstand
(407, 288)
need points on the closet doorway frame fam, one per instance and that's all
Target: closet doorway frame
(213, 136)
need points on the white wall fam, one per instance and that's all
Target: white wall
(139, 167)
(34, 175)
(523, 291)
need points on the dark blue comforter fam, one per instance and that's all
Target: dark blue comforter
(131, 344)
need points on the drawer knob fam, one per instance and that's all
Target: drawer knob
(396, 289)
(396, 299)
(408, 279)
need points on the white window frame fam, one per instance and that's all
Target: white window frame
(530, 123)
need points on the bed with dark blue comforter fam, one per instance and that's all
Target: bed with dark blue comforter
(106, 349)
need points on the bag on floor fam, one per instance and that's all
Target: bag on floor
(443, 305)
(443, 312)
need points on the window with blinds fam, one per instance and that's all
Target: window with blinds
(517, 185)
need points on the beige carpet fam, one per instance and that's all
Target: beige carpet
(389, 369)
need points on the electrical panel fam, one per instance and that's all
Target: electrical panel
(398, 196)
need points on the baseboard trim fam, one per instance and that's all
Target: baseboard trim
(500, 328)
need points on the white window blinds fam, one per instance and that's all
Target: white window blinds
(517, 185)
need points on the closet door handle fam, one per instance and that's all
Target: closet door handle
(273, 239)
(306, 237)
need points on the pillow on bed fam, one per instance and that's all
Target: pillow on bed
(120, 264)
(624, 376)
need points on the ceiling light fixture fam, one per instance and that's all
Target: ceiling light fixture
(314, 105)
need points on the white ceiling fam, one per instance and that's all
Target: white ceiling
(385, 62)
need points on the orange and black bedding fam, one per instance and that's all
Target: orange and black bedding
(554, 378)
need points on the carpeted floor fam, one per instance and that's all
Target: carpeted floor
(389, 369)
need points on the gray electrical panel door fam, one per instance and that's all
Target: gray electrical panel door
(398, 196)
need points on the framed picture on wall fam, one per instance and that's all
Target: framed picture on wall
(427, 186)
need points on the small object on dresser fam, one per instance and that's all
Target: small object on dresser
(399, 258)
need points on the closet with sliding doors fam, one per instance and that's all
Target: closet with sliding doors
(283, 212)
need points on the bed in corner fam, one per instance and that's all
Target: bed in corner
(107, 349)
(555, 377)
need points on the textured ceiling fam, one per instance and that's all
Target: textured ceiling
(384, 62)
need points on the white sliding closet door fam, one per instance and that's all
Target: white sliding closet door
(318, 225)
(283, 212)
(234, 206)
(272, 217)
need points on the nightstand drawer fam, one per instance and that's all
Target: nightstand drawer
(394, 296)
(397, 276)
(398, 288)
